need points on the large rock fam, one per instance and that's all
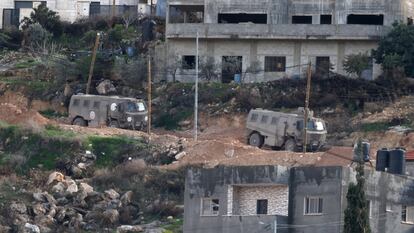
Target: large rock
(110, 216)
(128, 214)
(39, 209)
(44, 197)
(72, 188)
(55, 176)
(18, 208)
(58, 188)
(86, 187)
(126, 199)
(111, 194)
(105, 87)
(30, 228)
(129, 229)
(39, 197)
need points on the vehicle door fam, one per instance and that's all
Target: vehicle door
(281, 131)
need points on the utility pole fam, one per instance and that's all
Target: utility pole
(95, 48)
(308, 88)
(149, 97)
(196, 94)
(113, 11)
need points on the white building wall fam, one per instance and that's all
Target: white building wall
(277, 196)
(5, 4)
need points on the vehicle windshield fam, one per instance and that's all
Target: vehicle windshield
(140, 106)
(315, 125)
(131, 107)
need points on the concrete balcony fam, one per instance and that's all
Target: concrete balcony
(277, 31)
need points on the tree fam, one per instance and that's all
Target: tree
(129, 18)
(48, 19)
(357, 63)
(173, 64)
(208, 69)
(397, 49)
(356, 213)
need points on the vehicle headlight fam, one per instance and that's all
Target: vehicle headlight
(146, 118)
(129, 119)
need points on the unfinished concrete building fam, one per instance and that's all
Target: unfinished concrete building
(263, 40)
(13, 11)
(296, 200)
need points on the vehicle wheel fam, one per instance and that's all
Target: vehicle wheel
(113, 124)
(256, 140)
(79, 121)
(290, 145)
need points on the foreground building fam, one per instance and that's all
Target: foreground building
(13, 11)
(297, 200)
(276, 39)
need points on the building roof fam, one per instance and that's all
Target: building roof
(409, 155)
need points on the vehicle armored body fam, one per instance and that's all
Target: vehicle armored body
(113, 111)
(284, 130)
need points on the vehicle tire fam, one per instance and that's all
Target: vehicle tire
(290, 145)
(113, 124)
(79, 121)
(256, 140)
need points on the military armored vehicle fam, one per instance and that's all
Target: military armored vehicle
(113, 111)
(284, 130)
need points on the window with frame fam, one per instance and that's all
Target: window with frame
(86, 103)
(96, 104)
(210, 207)
(264, 119)
(254, 117)
(275, 64)
(188, 62)
(407, 214)
(261, 207)
(76, 102)
(313, 205)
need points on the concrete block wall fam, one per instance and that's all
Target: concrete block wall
(247, 196)
(296, 53)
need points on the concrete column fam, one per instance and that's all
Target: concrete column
(341, 58)
(297, 54)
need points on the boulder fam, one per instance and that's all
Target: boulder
(72, 188)
(111, 194)
(55, 176)
(39, 197)
(111, 216)
(129, 229)
(5, 229)
(18, 208)
(39, 209)
(128, 214)
(58, 188)
(180, 155)
(86, 187)
(105, 87)
(30, 228)
(62, 201)
(126, 199)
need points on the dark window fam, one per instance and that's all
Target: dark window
(404, 213)
(188, 62)
(326, 19)
(186, 14)
(230, 67)
(210, 207)
(264, 119)
(76, 102)
(94, 8)
(366, 19)
(322, 65)
(274, 121)
(409, 21)
(86, 103)
(301, 19)
(10, 18)
(313, 205)
(23, 4)
(275, 64)
(242, 18)
(262, 206)
(96, 104)
(254, 117)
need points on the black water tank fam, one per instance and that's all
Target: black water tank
(382, 159)
(397, 162)
(366, 148)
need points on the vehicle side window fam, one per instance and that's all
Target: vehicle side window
(274, 121)
(96, 104)
(264, 119)
(76, 102)
(86, 103)
(254, 117)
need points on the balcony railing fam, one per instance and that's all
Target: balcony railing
(277, 31)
